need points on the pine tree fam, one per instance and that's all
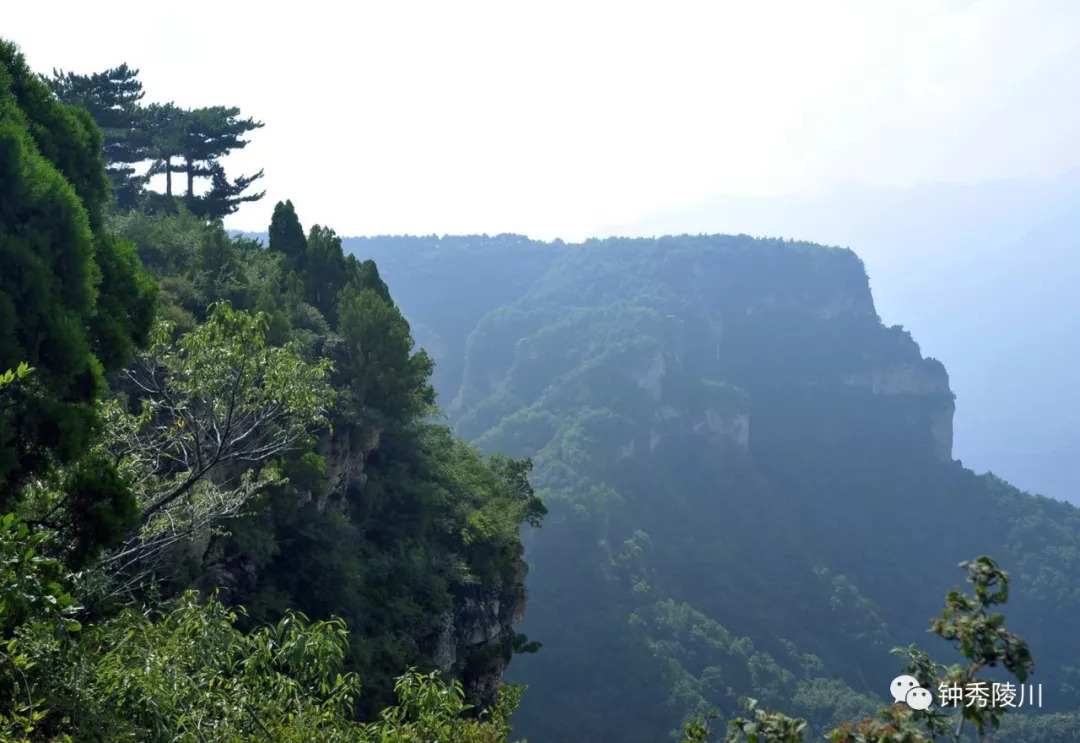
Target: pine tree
(165, 126)
(112, 97)
(211, 134)
(224, 197)
(174, 140)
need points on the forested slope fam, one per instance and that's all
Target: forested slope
(750, 477)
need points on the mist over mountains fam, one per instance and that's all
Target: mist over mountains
(734, 451)
(984, 277)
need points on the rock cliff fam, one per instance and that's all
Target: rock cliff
(481, 582)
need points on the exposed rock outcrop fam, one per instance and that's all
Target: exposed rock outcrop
(475, 641)
(926, 379)
(650, 378)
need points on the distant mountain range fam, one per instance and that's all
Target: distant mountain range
(749, 479)
(984, 276)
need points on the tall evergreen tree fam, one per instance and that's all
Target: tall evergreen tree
(165, 123)
(385, 380)
(324, 273)
(365, 275)
(174, 140)
(113, 99)
(287, 237)
(210, 134)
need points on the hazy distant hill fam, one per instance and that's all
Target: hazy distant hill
(749, 476)
(985, 276)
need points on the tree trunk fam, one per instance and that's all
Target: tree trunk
(168, 176)
(189, 168)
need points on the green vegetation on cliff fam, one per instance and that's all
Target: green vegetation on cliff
(193, 423)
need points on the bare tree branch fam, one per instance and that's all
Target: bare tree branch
(217, 407)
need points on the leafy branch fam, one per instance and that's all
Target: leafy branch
(218, 406)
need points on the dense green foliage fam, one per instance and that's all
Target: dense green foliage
(73, 299)
(266, 442)
(184, 671)
(382, 522)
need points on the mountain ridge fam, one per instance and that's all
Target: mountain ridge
(666, 385)
(946, 260)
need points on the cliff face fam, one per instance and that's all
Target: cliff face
(754, 313)
(376, 526)
(475, 640)
(773, 326)
(928, 381)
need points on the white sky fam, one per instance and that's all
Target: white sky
(553, 118)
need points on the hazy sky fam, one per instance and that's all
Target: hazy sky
(554, 118)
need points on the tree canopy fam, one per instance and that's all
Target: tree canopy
(113, 100)
(166, 138)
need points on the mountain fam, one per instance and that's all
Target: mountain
(750, 477)
(243, 522)
(983, 275)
